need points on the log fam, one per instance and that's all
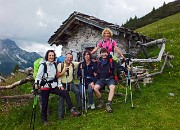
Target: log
(149, 60)
(162, 68)
(18, 83)
(158, 41)
(25, 96)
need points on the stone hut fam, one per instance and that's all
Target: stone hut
(82, 32)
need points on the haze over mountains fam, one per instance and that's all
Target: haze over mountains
(11, 55)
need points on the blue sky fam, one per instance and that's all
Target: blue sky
(30, 23)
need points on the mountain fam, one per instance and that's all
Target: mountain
(11, 55)
(155, 15)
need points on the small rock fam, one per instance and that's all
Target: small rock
(171, 94)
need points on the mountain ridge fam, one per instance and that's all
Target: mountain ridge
(156, 14)
(11, 55)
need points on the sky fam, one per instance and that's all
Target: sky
(30, 23)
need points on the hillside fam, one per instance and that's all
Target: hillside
(11, 55)
(155, 15)
(155, 106)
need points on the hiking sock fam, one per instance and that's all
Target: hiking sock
(100, 100)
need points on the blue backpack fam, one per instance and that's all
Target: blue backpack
(60, 59)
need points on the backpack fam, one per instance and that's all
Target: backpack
(36, 66)
(60, 59)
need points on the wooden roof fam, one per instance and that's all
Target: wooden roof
(77, 19)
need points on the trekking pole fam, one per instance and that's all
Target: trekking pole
(66, 88)
(128, 84)
(83, 93)
(33, 115)
(82, 89)
(130, 87)
(126, 90)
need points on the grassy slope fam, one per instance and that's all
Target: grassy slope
(155, 108)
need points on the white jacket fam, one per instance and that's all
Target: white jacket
(51, 73)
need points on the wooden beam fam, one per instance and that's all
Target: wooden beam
(158, 41)
(25, 96)
(70, 33)
(77, 22)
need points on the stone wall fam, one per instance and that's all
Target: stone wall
(86, 36)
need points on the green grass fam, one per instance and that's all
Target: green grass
(155, 108)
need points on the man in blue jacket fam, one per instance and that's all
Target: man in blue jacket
(105, 76)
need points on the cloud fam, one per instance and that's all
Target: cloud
(36, 21)
(39, 13)
(40, 48)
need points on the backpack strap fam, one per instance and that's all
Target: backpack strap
(45, 72)
(103, 44)
(45, 69)
(111, 62)
(62, 66)
(55, 78)
(55, 64)
(73, 67)
(112, 42)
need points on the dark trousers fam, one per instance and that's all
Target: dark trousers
(90, 92)
(45, 97)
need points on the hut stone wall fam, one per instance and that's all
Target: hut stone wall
(87, 37)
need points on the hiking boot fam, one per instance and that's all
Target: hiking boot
(101, 104)
(108, 107)
(88, 106)
(61, 117)
(44, 120)
(45, 123)
(92, 106)
(74, 112)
